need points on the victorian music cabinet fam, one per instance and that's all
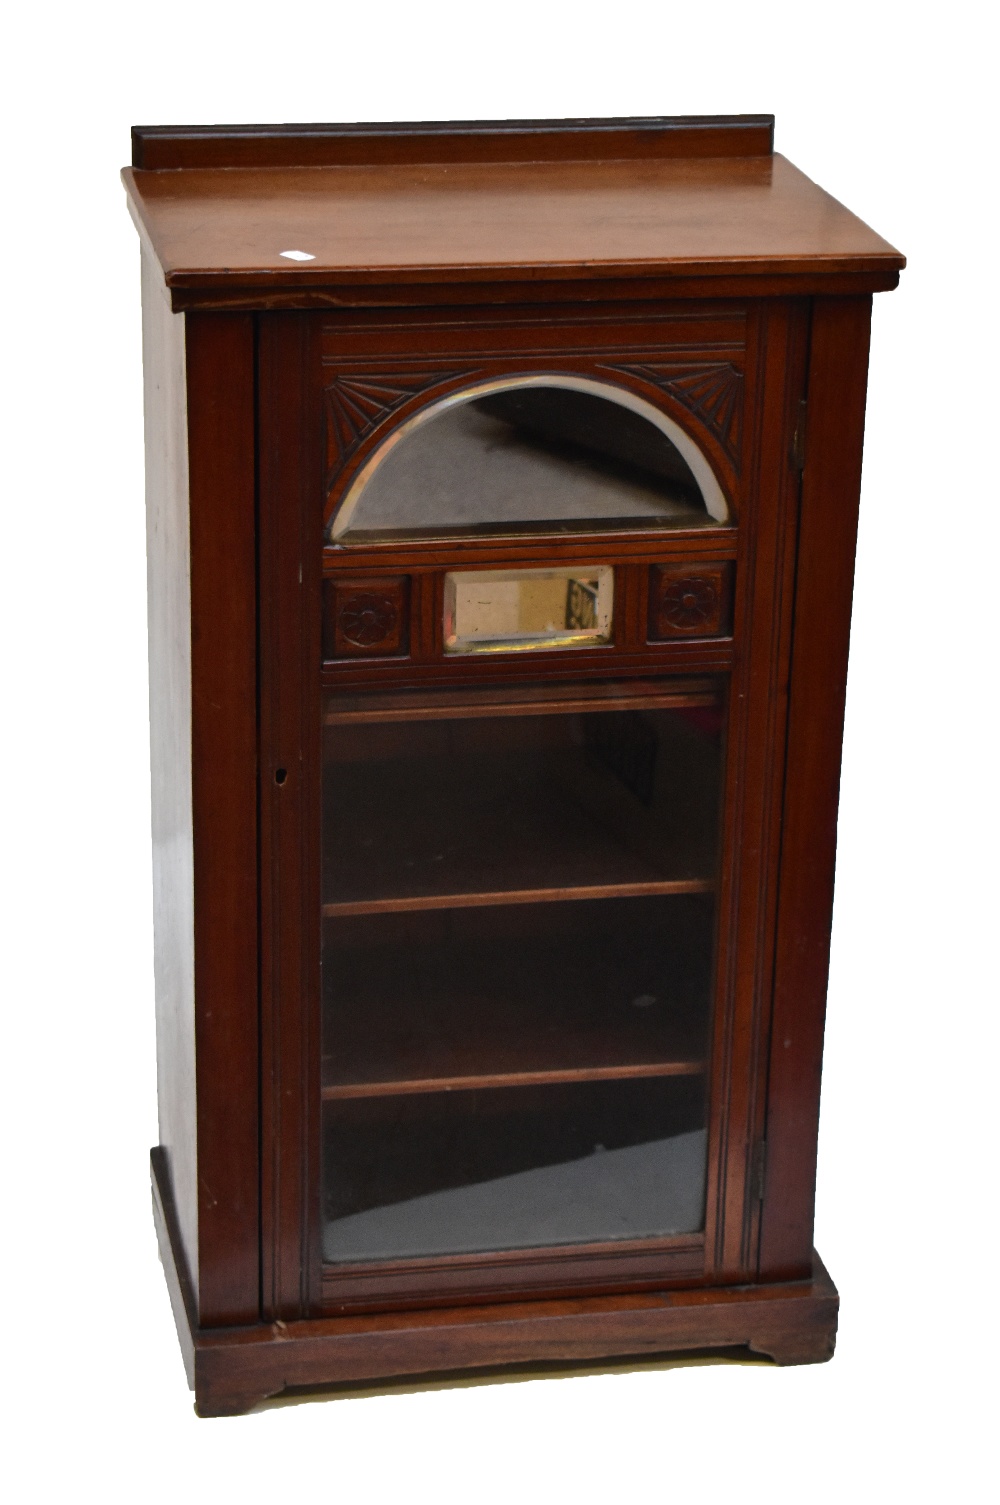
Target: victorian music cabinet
(502, 495)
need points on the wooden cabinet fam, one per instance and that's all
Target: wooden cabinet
(502, 495)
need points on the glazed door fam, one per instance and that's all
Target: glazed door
(518, 968)
(519, 782)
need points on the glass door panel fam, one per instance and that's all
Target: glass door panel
(440, 999)
(518, 944)
(510, 1168)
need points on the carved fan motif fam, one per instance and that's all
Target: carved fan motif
(356, 404)
(713, 393)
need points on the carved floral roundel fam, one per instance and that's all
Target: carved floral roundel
(689, 604)
(367, 620)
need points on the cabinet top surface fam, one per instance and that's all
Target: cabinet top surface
(649, 211)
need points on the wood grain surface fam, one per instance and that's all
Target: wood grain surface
(228, 227)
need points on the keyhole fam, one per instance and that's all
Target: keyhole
(280, 775)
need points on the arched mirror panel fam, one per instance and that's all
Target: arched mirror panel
(542, 454)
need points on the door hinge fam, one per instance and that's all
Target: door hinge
(799, 439)
(758, 1172)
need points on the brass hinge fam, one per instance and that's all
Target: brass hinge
(758, 1173)
(799, 439)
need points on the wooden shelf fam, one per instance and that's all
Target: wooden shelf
(444, 1004)
(459, 704)
(467, 814)
(415, 903)
(341, 1091)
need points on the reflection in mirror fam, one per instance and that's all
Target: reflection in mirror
(502, 610)
(544, 455)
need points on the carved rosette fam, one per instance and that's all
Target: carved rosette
(688, 603)
(366, 621)
(365, 617)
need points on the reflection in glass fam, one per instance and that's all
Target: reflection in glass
(499, 610)
(545, 454)
(526, 1167)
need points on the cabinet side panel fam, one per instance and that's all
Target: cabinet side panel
(291, 545)
(169, 595)
(831, 486)
(221, 425)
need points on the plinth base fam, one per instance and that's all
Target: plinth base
(231, 1369)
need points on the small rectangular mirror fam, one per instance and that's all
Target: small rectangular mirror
(504, 611)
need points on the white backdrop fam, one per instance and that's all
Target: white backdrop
(888, 110)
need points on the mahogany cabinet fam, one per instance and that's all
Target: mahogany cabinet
(502, 496)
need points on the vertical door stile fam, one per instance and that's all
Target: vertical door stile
(758, 702)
